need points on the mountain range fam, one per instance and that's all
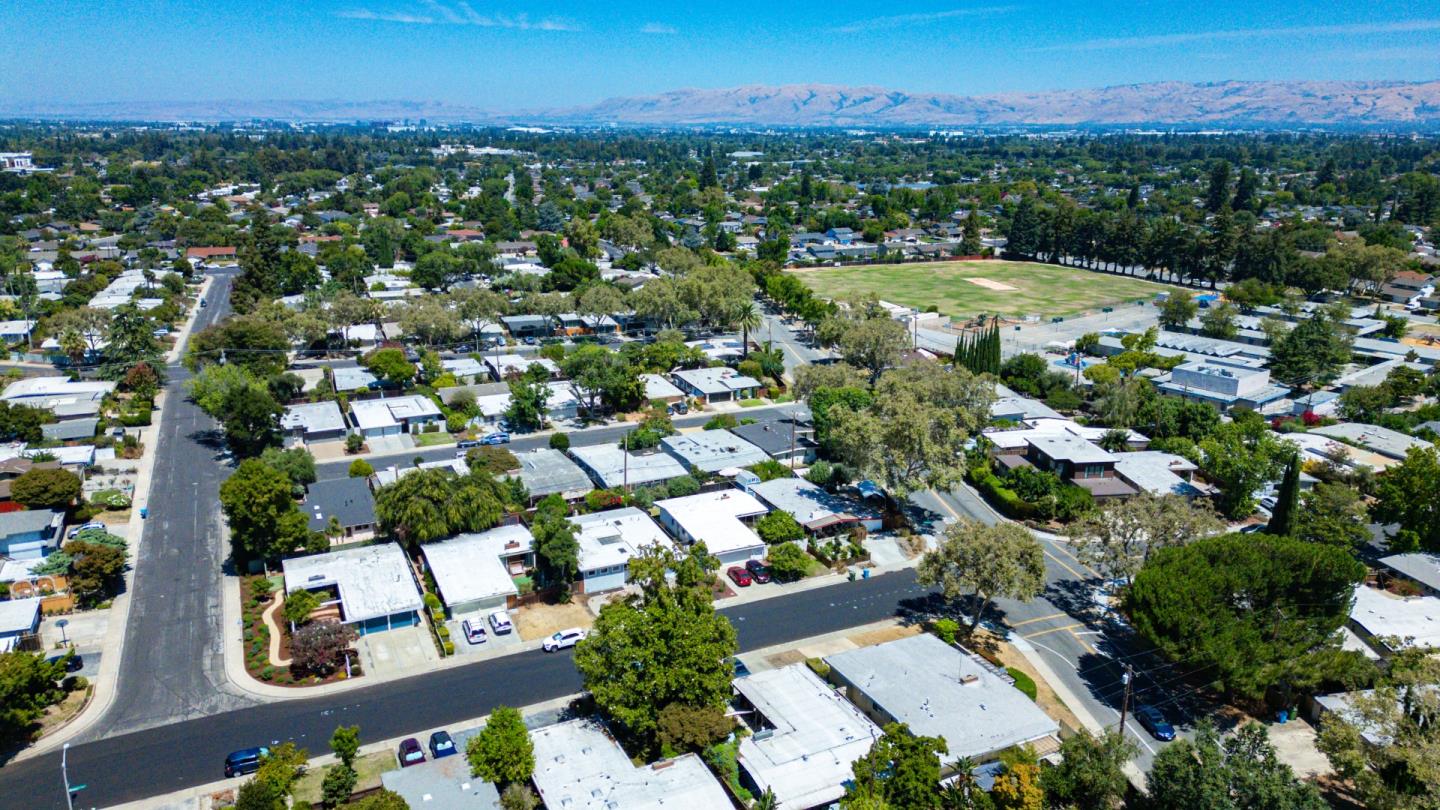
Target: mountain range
(1231, 103)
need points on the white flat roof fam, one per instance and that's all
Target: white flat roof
(941, 692)
(612, 537)
(468, 567)
(1071, 448)
(713, 518)
(18, 615)
(506, 364)
(813, 736)
(29, 387)
(579, 766)
(810, 505)
(373, 581)
(609, 464)
(546, 471)
(657, 387)
(713, 450)
(394, 472)
(1156, 472)
(314, 417)
(382, 413)
(1414, 620)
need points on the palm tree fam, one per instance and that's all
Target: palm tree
(747, 318)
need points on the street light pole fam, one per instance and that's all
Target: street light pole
(1125, 702)
(65, 774)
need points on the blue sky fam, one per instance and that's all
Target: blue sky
(516, 54)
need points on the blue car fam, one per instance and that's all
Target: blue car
(1155, 723)
(441, 745)
(496, 438)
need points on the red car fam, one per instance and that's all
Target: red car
(739, 576)
(411, 753)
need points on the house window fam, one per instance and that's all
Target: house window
(1094, 471)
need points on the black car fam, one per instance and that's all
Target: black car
(75, 664)
(759, 571)
(1155, 722)
(246, 760)
(441, 745)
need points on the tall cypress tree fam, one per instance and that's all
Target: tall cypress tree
(1287, 501)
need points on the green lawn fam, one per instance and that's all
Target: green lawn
(1040, 289)
(433, 439)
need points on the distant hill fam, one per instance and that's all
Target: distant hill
(1255, 103)
(1278, 104)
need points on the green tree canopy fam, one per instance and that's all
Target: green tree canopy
(988, 561)
(46, 488)
(1240, 772)
(502, 751)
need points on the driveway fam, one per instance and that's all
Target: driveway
(404, 650)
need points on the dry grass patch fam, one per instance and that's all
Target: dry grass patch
(538, 621)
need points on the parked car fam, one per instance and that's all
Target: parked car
(1155, 722)
(498, 437)
(563, 639)
(1253, 528)
(466, 444)
(441, 745)
(530, 341)
(500, 622)
(204, 303)
(246, 760)
(410, 752)
(759, 571)
(75, 664)
(474, 631)
(739, 576)
(739, 666)
(94, 524)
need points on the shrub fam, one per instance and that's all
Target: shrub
(443, 632)
(559, 441)
(682, 486)
(819, 667)
(431, 601)
(360, 468)
(945, 629)
(448, 646)
(788, 562)
(456, 422)
(683, 729)
(722, 421)
(779, 527)
(354, 442)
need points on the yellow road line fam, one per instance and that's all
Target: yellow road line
(1052, 630)
(1063, 564)
(1040, 619)
(1083, 642)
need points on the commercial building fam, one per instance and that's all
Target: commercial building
(805, 737)
(580, 766)
(711, 451)
(717, 384)
(717, 519)
(1224, 385)
(610, 466)
(941, 691)
(373, 586)
(475, 572)
(314, 421)
(608, 540)
(551, 472)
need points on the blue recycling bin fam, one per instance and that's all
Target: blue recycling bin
(144, 512)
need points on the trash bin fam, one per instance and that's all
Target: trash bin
(144, 512)
(1283, 717)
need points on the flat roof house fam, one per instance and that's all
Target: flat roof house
(443, 784)
(523, 326)
(941, 691)
(1384, 441)
(393, 416)
(65, 398)
(806, 736)
(1380, 616)
(787, 440)
(353, 378)
(347, 500)
(610, 467)
(549, 472)
(580, 766)
(475, 572)
(372, 585)
(509, 366)
(607, 542)
(19, 619)
(1075, 460)
(1159, 473)
(711, 451)
(30, 533)
(819, 511)
(1223, 385)
(716, 519)
(314, 421)
(717, 384)
(1420, 567)
(657, 388)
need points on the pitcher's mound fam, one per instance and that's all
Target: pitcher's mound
(990, 284)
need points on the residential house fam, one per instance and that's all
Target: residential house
(718, 384)
(1389, 622)
(1383, 441)
(19, 622)
(659, 389)
(712, 451)
(30, 533)
(393, 416)
(1159, 473)
(719, 519)
(509, 366)
(67, 399)
(941, 690)
(475, 573)
(804, 739)
(526, 326)
(314, 422)
(353, 378)
(608, 540)
(346, 501)
(550, 472)
(443, 784)
(788, 439)
(1407, 287)
(372, 587)
(819, 511)
(580, 766)
(610, 466)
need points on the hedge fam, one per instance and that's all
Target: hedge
(1001, 497)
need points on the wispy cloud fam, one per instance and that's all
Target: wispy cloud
(658, 28)
(1394, 54)
(1161, 40)
(460, 13)
(925, 18)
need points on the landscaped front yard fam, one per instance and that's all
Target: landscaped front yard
(966, 289)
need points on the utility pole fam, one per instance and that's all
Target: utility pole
(1125, 702)
(65, 774)
(625, 454)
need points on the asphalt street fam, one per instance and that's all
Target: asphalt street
(185, 754)
(173, 668)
